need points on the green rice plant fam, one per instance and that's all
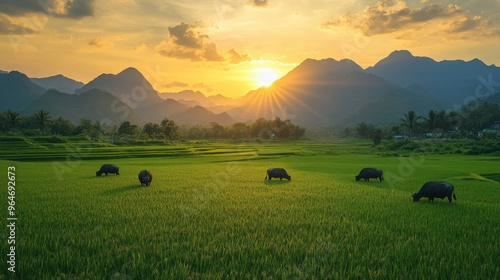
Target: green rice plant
(209, 214)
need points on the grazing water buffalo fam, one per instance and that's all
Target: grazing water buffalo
(145, 177)
(108, 168)
(367, 173)
(435, 189)
(277, 173)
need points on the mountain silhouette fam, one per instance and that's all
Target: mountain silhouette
(323, 92)
(58, 82)
(164, 109)
(130, 86)
(95, 104)
(198, 98)
(316, 92)
(17, 91)
(202, 116)
(451, 81)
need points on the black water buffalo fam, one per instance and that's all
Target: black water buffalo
(108, 168)
(145, 177)
(277, 173)
(367, 173)
(435, 189)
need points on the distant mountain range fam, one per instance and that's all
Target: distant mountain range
(94, 104)
(450, 81)
(325, 92)
(316, 92)
(17, 91)
(58, 82)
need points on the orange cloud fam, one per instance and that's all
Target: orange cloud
(258, 3)
(389, 16)
(99, 43)
(187, 42)
(236, 58)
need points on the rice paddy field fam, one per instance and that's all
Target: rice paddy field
(209, 213)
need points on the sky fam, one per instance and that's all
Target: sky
(230, 47)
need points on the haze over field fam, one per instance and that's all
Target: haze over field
(231, 47)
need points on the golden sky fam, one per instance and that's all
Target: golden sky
(223, 46)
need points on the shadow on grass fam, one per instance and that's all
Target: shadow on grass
(276, 182)
(120, 190)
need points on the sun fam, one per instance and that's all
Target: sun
(265, 76)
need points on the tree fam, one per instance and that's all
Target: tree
(196, 132)
(42, 119)
(85, 127)
(364, 130)
(376, 136)
(261, 129)
(13, 118)
(431, 120)
(169, 129)
(62, 126)
(239, 130)
(152, 130)
(410, 122)
(127, 129)
(216, 130)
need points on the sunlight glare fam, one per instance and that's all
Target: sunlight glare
(265, 76)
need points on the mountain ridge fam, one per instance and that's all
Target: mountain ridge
(325, 91)
(58, 82)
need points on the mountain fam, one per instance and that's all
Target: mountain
(202, 116)
(130, 86)
(58, 82)
(451, 81)
(17, 91)
(190, 96)
(164, 109)
(325, 92)
(95, 104)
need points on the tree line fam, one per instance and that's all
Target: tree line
(42, 123)
(464, 123)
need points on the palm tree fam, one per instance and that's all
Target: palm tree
(42, 118)
(13, 118)
(410, 122)
(431, 120)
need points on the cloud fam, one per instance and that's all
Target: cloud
(22, 17)
(185, 35)
(176, 84)
(203, 86)
(99, 43)
(58, 8)
(235, 58)
(187, 42)
(389, 16)
(258, 3)
(17, 26)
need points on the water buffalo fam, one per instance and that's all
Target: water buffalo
(108, 168)
(277, 173)
(145, 177)
(367, 173)
(435, 189)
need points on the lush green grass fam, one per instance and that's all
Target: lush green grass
(210, 214)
